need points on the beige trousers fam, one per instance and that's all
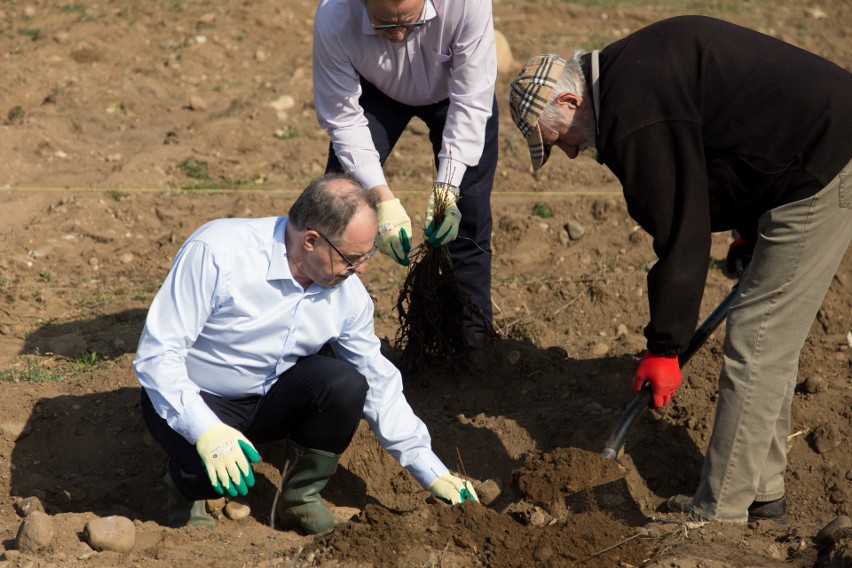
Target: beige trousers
(799, 247)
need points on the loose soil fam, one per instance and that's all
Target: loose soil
(124, 126)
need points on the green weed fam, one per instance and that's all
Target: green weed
(16, 114)
(89, 361)
(194, 169)
(116, 195)
(287, 133)
(34, 34)
(35, 372)
(543, 210)
(78, 7)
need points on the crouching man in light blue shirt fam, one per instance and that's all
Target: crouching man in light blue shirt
(229, 357)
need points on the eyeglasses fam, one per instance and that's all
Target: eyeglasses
(350, 265)
(405, 26)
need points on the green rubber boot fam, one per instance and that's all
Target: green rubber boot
(183, 512)
(300, 505)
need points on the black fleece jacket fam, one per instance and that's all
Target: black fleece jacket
(708, 125)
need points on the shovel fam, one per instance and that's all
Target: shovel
(614, 495)
(643, 399)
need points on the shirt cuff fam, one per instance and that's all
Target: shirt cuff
(457, 170)
(195, 420)
(370, 176)
(427, 468)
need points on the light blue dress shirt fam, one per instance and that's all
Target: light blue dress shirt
(230, 318)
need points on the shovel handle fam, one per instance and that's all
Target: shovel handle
(643, 399)
(628, 417)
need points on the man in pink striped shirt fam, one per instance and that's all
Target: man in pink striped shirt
(379, 63)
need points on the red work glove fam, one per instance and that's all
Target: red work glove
(662, 372)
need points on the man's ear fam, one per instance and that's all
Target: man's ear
(568, 98)
(309, 240)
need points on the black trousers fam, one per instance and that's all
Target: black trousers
(318, 402)
(471, 251)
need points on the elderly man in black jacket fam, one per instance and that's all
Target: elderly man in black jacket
(713, 127)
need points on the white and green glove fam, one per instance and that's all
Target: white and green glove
(394, 236)
(448, 229)
(224, 451)
(452, 490)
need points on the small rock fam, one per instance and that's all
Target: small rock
(513, 357)
(542, 554)
(283, 102)
(816, 13)
(35, 533)
(575, 230)
(813, 385)
(69, 345)
(216, 505)
(344, 514)
(26, 507)
(488, 491)
(538, 518)
(776, 553)
(197, 103)
(236, 511)
(599, 349)
(838, 495)
(826, 438)
(260, 55)
(207, 18)
(828, 534)
(633, 342)
(621, 331)
(111, 533)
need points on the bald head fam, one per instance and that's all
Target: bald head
(329, 203)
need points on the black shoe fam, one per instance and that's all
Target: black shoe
(679, 503)
(769, 511)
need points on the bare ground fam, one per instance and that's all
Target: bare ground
(113, 116)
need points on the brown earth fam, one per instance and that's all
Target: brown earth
(114, 115)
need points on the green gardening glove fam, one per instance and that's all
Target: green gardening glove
(453, 490)
(224, 451)
(448, 229)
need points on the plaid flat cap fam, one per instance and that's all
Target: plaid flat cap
(528, 95)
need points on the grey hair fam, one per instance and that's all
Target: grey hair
(572, 80)
(328, 204)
